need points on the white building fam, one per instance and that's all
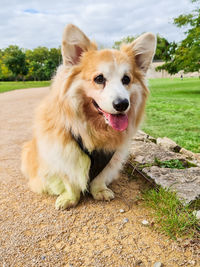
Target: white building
(152, 73)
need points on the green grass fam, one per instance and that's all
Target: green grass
(172, 163)
(173, 110)
(170, 215)
(8, 86)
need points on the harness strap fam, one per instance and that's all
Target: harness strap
(99, 158)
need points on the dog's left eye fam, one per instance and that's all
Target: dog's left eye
(100, 79)
(126, 80)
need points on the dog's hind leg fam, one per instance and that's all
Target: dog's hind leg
(54, 185)
(69, 197)
(30, 166)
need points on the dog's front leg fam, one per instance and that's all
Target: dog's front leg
(98, 187)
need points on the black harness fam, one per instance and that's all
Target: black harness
(99, 158)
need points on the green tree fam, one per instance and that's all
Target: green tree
(38, 54)
(54, 60)
(5, 73)
(186, 56)
(37, 64)
(42, 62)
(15, 60)
(164, 49)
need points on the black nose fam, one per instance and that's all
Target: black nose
(120, 104)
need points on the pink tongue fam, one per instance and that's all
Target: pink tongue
(118, 122)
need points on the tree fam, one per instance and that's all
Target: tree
(15, 60)
(37, 64)
(38, 54)
(164, 49)
(5, 73)
(186, 55)
(42, 62)
(54, 60)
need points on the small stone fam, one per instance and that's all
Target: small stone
(138, 263)
(196, 213)
(125, 220)
(166, 143)
(43, 257)
(158, 264)
(121, 211)
(145, 222)
(140, 159)
(188, 153)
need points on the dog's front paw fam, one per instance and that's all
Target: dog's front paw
(65, 201)
(103, 194)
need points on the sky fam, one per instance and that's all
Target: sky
(33, 23)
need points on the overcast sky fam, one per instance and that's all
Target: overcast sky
(32, 23)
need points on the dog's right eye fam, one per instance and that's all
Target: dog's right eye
(100, 79)
(126, 80)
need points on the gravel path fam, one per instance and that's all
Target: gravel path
(33, 233)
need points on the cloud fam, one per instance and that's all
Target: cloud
(40, 22)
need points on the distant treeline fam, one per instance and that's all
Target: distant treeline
(38, 64)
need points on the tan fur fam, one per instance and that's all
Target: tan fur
(30, 158)
(52, 159)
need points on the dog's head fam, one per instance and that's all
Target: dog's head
(109, 80)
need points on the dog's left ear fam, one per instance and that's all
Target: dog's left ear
(74, 43)
(144, 49)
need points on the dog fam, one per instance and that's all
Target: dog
(83, 128)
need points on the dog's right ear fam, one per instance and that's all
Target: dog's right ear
(74, 43)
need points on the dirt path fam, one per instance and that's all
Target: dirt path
(33, 233)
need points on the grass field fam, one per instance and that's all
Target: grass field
(171, 216)
(8, 86)
(173, 110)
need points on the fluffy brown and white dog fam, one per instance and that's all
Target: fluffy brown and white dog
(83, 128)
